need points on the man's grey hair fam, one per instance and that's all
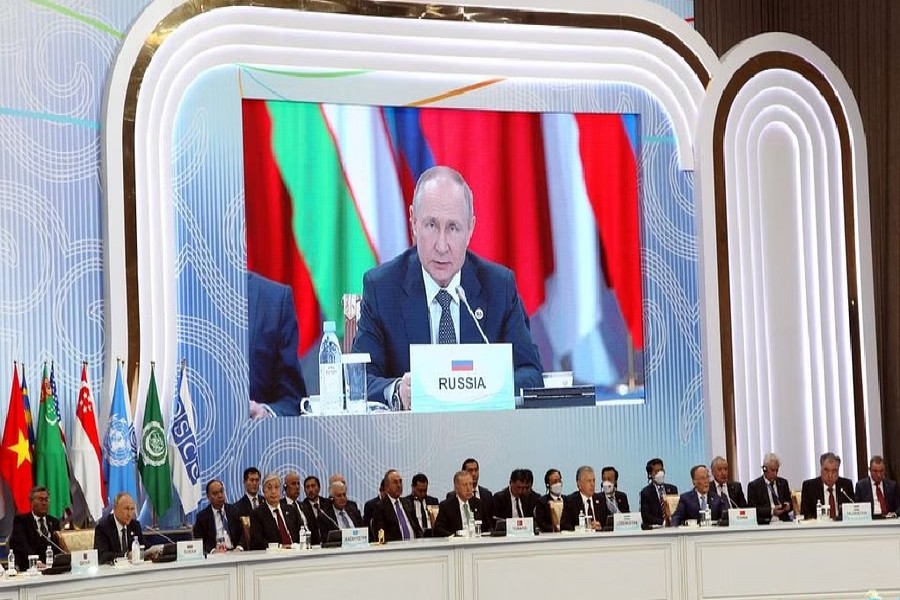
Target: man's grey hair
(771, 460)
(583, 469)
(337, 486)
(441, 172)
(716, 461)
(829, 456)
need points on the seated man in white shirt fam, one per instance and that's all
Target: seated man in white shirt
(879, 491)
(219, 524)
(455, 512)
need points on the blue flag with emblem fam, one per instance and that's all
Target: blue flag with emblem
(183, 446)
(119, 445)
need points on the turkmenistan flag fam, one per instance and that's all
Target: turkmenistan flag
(51, 466)
(324, 202)
(153, 458)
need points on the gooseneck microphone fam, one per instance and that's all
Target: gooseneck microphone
(54, 544)
(327, 516)
(157, 531)
(846, 496)
(461, 293)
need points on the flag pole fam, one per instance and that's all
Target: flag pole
(632, 381)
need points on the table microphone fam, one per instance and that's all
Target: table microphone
(846, 496)
(327, 516)
(461, 293)
(731, 502)
(158, 531)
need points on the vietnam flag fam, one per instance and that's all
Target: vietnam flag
(15, 456)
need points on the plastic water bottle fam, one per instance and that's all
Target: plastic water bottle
(48, 557)
(819, 513)
(707, 517)
(331, 378)
(470, 526)
(582, 522)
(135, 552)
(11, 564)
(304, 538)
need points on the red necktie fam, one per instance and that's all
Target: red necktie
(881, 500)
(832, 509)
(282, 529)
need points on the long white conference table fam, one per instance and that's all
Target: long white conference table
(809, 560)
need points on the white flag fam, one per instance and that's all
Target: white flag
(183, 447)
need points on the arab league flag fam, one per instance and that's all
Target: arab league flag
(183, 447)
(51, 468)
(119, 444)
(15, 453)
(153, 458)
(85, 449)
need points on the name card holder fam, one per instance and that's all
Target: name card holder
(742, 518)
(358, 537)
(856, 512)
(457, 377)
(520, 527)
(189, 550)
(629, 521)
(84, 562)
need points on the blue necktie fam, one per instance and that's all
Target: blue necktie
(404, 530)
(345, 520)
(446, 332)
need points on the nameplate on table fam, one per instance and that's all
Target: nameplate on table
(358, 537)
(629, 521)
(520, 527)
(457, 377)
(189, 550)
(742, 518)
(84, 562)
(854, 512)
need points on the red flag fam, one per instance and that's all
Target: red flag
(15, 451)
(86, 461)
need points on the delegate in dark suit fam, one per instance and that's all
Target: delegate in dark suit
(275, 376)
(689, 507)
(735, 493)
(449, 519)
(306, 517)
(621, 501)
(427, 531)
(369, 509)
(758, 497)
(543, 518)
(329, 521)
(205, 527)
(651, 509)
(264, 527)
(395, 315)
(26, 539)
(573, 506)
(244, 506)
(485, 499)
(888, 489)
(813, 491)
(384, 518)
(107, 540)
(502, 504)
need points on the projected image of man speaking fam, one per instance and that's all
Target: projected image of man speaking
(415, 299)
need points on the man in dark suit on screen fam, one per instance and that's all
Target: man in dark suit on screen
(32, 531)
(276, 381)
(878, 491)
(115, 532)
(219, 524)
(393, 514)
(455, 511)
(414, 299)
(828, 488)
(770, 494)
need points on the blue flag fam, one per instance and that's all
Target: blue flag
(120, 445)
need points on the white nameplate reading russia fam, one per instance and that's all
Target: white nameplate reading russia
(520, 527)
(355, 538)
(189, 550)
(855, 512)
(84, 562)
(627, 521)
(742, 518)
(456, 377)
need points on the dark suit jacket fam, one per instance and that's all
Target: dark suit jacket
(264, 527)
(306, 517)
(429, 501)
(621, 505)
(384, 517)
(275, 375)
(106, 538)
(449, 519)
(651, 511)
(888, 488)
(395, 315)
(205, 527)
(485, 499)
(735, 492)
(758, 497)
(244, 507)
(369, 509)
(542, 518)
(25, 538)
(813, 491)
(328, 520)
(689, 506)
(502, 504)
(573, 507)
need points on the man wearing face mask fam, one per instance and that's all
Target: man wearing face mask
(616, 501)
(583, 501)
(548, 510)
(654, 510)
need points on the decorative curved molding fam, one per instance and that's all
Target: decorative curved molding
(777, 93)
(171, 45)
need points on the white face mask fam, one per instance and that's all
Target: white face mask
(556, 489)
(659, 478)
(608, 487)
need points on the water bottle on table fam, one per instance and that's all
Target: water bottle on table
(135, 552)
(331, 377)
(48, 557)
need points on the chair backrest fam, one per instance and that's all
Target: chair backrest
(672, 502)
(795, 499)
(73, 540)
(352, 305)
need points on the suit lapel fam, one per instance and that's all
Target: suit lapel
(414, 304)
(468, 333)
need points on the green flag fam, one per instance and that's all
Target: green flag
(51, 466)
(153, 458)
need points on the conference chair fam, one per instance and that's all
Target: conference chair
(74, 540)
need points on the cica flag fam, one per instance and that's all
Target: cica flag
(51, 467)
(153, 458)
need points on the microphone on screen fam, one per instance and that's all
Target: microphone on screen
(461, 294)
